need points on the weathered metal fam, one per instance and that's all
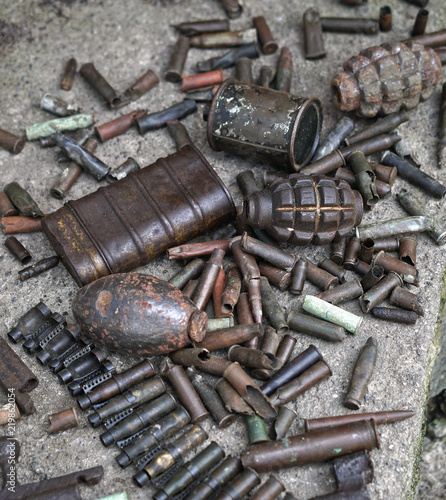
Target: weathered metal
(224, 39)
(385, 18)
(53, 324)
(386, 79)
(229, 59)
(284, 72)
(233, 8)
(192, 28)
(201, 359)
(408, 250)
(232, 288)
(366, 251)
(57, 106)
(343, 293)
(244, 119)
(243, 70)
(283, 422)
(319, 277)
(420, 23)
(38, 268)
(231, 398)
(118, 126)
(434, 39)
(441, 148)
(68, 74)
(22, 200)
(256, 427)
(179, 133)
(73, 122)
(17, 249)
(395, 315)
(57, 345)
(372, 277)
(254, 358)
(240, 486)
(198, 249)
(390, 244)
(268, 347)
(123, 170)
(153, 121)
(269, 490)
(28, 324)
(365, 178)
(226, 337)
(314, 40)
(201, 80)
(286, 348)
(7, 209)
(382, 188)
(298, 277)
(266, 39)
(190, 271)
(174, 72)
(350, 25)
(384, 173)
(338, 250)
(379, 292)
(215, 324)
(81, 365)
(11, 142)
(63, 420)
(389, 263)
(362, 373)
(401, 297)
(272, 307)
(208, 279)
(273, 255)
(334, 138)
(144, 83)
(332, 268)
(89, 72)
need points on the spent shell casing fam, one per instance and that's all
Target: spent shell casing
(197, 249)
(174, 72)
(382, 188)
(390, 244)
(159, 119)
(253, 358)
(179, 133)
(144, 83)
(292, 370)
(284, 420)
(385, 18)
(414, 224)
(89, 72)
(11, 142)
(343, 293)
(191, 271)
(434, 39)
(73, 122)
(216, 295)
(257, 432)
(68, 74)
(389, 263)
(57, 106)
(243, 310)
(372, 277)
(334, 314)
(266, 39)
(314, 40)
(268, 346)
(121, 172)
(272, 308)
(226, 337)
(395, 315)
(224, 39)
(277, 277)
(338, 251)
(247, 183)
(365, 177)
(401, 297)
(22, 200)
(378, 293)
(312, 447)
(273, 255)
(408, 250)
(319, 277)
(285, 348)
(380, 126)
(266, 76)
(298, 277)
(332, 268)
(21, 224)
(17, 249)
(284, 71)
(240, 486)
(351, 253)
(189, 289)
(118, 126)
(78, 154)
(38, 268)
(350, 25)
(297, 386)
(362, 373)
(184, 390)
(6, 207)
(229, 59)
(201, 80)
(243, 70)
(367, 250)
(233, 8)
(441, 148)
(384, 173)
(63, 420)
(201, 359)
(192, 28)
(231, 291)
(269, 490)
(215, 324)
(334, 138)
(232, 400)
(420, 23)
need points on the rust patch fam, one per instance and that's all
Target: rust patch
(103, 302)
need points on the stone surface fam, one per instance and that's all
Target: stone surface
(124, 39)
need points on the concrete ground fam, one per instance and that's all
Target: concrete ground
(124, 39)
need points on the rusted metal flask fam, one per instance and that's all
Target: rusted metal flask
(305, 209)
(139, 315)
(128, 223)
(385, 79)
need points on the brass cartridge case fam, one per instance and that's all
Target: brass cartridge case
(285, 348)
(189, 289)
(191, 271)
(243, 70)
(159, 119)
(273, 255)
(201, 359)
(385, 18)
(332, 268)
(17, 249)
(338, 250)
(118, 126)
(378, 293)
(292, 370)
(130, 165)
(184, 389)
(201, 80)
(253, 358)
(365, 178)
(372, 277)
(366, 251)
(268, 345)
(215, 324)
(283, 422)
(63, 420)
(197, 249)
(384, 173)
(343, 293)
(408, 250)
(297, 386)
(257, 432)
(224, 39)
(89, 72)
(395, 315)
(319, 277)
(178, 59)
(314, 40)
(434, 39)
(380, 126)
(22, 200)
(7, 209)
(231, 398)
(216, 295)
(390, 244)
(276, 276)
(192, 28)
(231, 291)
(362, 373)
(383, 189)
(269, 490)
(390, 263)
(284, 72)
(38, 268)
(420, 22)
(11, 142)
(229, 59)
(207, 279)
(179, 134)
(312, 447)
(266, 39)
(272, 308)
(401, 297)
(226, 337)
(244, 316)
(335, 137)
(240, 486)
(351, 253)
(350, 25)
(68, 74)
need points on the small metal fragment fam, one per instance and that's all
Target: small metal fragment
(38, 268)
(284, 71)
(63, 420)
(378, 293)
(395, 315)
(68, 74)
(57, 106)
(130, 165)
(8, 413)
(283, 422)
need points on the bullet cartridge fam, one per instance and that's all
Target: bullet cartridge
(178, 59)
(17, 249)
(224, 39)
(362, 373)
(141, 418)
(441, 148)
(420, 22)
(378, 293)
(11, 142)
(273, 255)
(130, 165)
(179, 133)
(272, 308)
(233, 8)
(63, 420)
(247, 183)
(366, 251)
(197, 249)
(81, 364)
(380, 126)
(253, 358)
(29, 323)
(285, 348)
(233, 402)
(268, 345)
(434, 39)
(215, 324)
(338, 251)
(163, 429)
(244, 316)
(118, 126)
(372, 277)
(332, 268)
(385, 18)
(229, 59)
(215, 480)
(276, 276)
(284, 73)
(297, 386)
(382, 189)
(243, 70)
(191, 471)
(365, 178)
(207, 279)
(390, 263)
(343, 293)
(159, 119)
(408, 250)
(191, 271)
(395, 315)
(189, 289)
(22, 200)
(173, 452)
(283, 422)
(201, 359)
(266, 76)
(68, 74)
(351, 253)
(184, 390)
(351, 322)
(312, 447)
(390, 244)
(350, 25)
(57, 106)
(216, 295)
(144, 83)
(192, 28)
(269, 490)
(384, 173)
(240, 486)
(227, 337)
(266, 39)
(314, 40)
(89, 72)
(57, 346)
(292, 370)
(202, 80)
(320, 277)
(335, 137)
(73, 122)
(142, 393)
(379, 417)
(6, 207)
(38, 268)
(232, 289)
(256, 426)
(401, 297)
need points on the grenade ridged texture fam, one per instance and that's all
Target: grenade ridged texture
(304, 209)
(386, 79)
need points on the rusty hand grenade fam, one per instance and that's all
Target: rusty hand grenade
(304, 209)
(385, 79)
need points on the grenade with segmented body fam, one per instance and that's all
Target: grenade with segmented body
(304, 209)
(386, 79)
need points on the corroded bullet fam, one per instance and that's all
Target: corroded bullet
(381, 126)
(272, 308)
(385, 18)
(63, 420)
(351, 253)
(441, 148)
(21, 224)
(229, 59)
(224, 39)
(22, 200)
(266, 76)
(276, 276)
(203, 461)
(390, 263)
(401, 297)
(159, 119)
(257, 432)
(379, 417)
(283, 422)
(249, 391)
(314, 40)
(197, 249)
(233, 8)
(165, 427)
(253, 358)
(57, 106)
(207, 279)
(89, 72)
(395, 315)
(362, 373)
(7, 209)
(216, 295)
(320, 277)
(266, 39)
(192, 28)
(335, 137)
(38, 268)
(273, 255)
(350, 25)
(343, 293)
(332, 268)
(179, 133)
(269, 490)
(378, 293)
(268, 346)
(382, 188)
(45, 129)
(11, 142)
(130, 165)
(178, 59)
(201, 359)
(201, 80)
(420, 22)
(312, 447)
(17, 249)
(366, 251)
(142, 393)
(292, 370)
(408, 250)
(189, 289)
(172, 453)
(68, 74)
(240, 486)
(191, 271)
(286, 348)
(390, 244)
(284, 71)
(365, 177)
(231, 398)
(297, 386)
(244, 315)
(232, 289)
(227, 337)
(118, 126)
(372, 277)
(434, 39)
(351, 322)
(144, 83)
(243, 70)
(184, 390)
(338, 251)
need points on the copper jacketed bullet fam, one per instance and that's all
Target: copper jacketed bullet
(382, 189)
(240, 486)
(272, 308)
(334, 138)
(68, 74)
(338, 250)
(385, 18)
(201, 80)
(343, 293)
(243, 70)
(22, 200)
(273, 255)
(192, 28)
(285, 349)
(38, 268)
(284, 71)
(17, 249)
(362, 373)
(227, 337)
(63, 420)
(224, 39)
(390, 263)
(314, 40)
(312, 447)
(420, 22)
(11, 142)
(378, 293)
(372, 277)
(266, 39)
(21, 224)
(231, 291)
(185, 390)
(89, 72)
(332, 268)
(351, 253)
(118, 126)
(283, 422)
(401, 297)
(179, 133)
(229, 59)
(276, 276)
(365, 178)
(130, 165)
(408, 250)
(268, 346)
(395, 315)
(201, 359)
(320, 277)
(7, 209)
(233, 401)
(159, 119)
(350, 25)
(257, 432)
(191, 271)
(207, 279)
(198, 249)
(315, 327)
